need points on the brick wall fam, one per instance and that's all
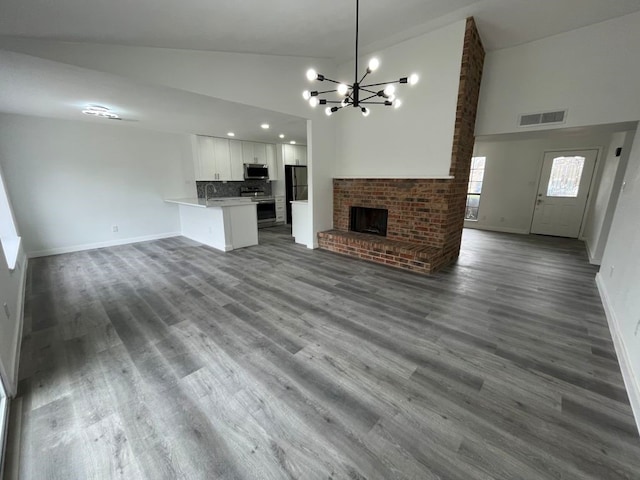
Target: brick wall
(417, 208)
(422, 212)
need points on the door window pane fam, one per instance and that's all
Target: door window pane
(566, 173)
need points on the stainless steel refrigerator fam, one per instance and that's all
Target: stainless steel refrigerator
(296, 186)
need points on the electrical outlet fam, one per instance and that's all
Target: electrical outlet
(114, 229)
(6, 310)
(611, 271)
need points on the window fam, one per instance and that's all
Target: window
(564, 180)
(475, 187)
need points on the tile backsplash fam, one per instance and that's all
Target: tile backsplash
(231, 189)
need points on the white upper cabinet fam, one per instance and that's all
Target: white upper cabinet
(237, 162)
(204, 163)
(222, 158)
(294, 154)
(272, 161)
(216, 159)
(253, 152)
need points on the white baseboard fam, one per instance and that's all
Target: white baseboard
(592, 259)
(630, 380)
(520, 231)
(91, 246)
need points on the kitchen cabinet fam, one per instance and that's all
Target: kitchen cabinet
(300, 222)
(294, 154)
(272, 162)
(237, 162)
(253, 152)
(213, 160)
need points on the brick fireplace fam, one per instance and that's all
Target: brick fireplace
(425, 216)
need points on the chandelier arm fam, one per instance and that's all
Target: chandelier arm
(381, 83)
(368, 98)
(332, 81)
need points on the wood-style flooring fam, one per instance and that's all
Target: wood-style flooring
(170, 360)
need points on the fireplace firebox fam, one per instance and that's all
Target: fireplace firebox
(369, 220)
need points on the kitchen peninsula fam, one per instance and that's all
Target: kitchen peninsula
(224, 224)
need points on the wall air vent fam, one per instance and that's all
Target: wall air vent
(543, 118)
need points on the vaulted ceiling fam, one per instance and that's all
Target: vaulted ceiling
(294, 27)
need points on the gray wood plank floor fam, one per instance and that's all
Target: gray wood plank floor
(169, 360)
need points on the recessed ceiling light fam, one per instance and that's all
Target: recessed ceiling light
(281, 135)
(231, 134)
(265, 126)
(292, 142)
(100, 111)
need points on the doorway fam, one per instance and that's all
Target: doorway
(563, 191)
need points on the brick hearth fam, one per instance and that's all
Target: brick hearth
(426, 216)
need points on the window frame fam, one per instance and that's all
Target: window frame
(470, 193)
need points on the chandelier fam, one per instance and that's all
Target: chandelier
(357, 94)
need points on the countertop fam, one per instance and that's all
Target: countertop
(212, 202)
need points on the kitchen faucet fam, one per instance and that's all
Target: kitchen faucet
(206, 190)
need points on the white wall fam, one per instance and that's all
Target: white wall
(619, 277)
(266, 81)
(593, 71)
(511, 176)
(415, 140)
(70, 182)
(598, 223)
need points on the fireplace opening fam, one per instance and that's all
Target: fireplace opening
(369, 220)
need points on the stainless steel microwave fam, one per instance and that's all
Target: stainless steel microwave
(255, 171)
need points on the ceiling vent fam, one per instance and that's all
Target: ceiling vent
(544, 118)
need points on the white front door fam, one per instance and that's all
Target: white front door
(562, 192)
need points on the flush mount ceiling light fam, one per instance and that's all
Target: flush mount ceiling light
(99, 111)
(357, 95)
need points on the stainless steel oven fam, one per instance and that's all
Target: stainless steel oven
(266, 209)
(266, 206)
